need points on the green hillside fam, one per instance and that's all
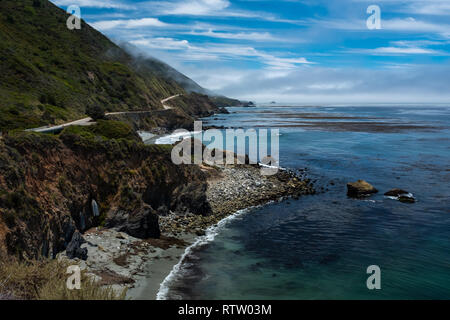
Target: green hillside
(50, 74)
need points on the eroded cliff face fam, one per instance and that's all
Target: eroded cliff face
(48, 185)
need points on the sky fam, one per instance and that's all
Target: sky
(291, 51)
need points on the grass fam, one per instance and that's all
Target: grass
(46, 280)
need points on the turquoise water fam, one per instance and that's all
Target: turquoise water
(319, 247)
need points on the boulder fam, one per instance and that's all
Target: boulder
(396, 192)
(360, 188)
(143, 223)
(192, 198)
(401, 195)
(68, 229)
(74, 249)
(406, 199)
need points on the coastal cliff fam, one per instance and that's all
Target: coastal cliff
(61, 192)
(48, 184)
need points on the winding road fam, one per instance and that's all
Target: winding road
(163, 102)
(88, 121)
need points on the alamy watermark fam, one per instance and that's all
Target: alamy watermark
(191, 151)
(74, 21)
(374, 281)
(374, 21)
(74, 280)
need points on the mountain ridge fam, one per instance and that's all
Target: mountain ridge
(56, 77)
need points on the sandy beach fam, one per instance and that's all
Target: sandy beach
(157, 268)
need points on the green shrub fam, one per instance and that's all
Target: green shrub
(95, 112)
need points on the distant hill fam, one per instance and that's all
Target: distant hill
(50, 74)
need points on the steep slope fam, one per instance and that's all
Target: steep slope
(48, 182)
(50, 74)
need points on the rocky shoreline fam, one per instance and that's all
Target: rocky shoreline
(122, 261)
(234, 188)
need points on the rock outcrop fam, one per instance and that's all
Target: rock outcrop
(74, 249)
(360, 188)
(49, 182)
(142, 224)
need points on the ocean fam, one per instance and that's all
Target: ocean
(320, 246)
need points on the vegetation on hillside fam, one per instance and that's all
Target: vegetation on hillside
(50, 74)
(46, 280)
(221, 102)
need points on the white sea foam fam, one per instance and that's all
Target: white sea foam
(175, 137)
(210, 234)
(409, 195)
(271, 167)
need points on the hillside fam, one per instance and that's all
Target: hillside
(143, 61)
(50, 74)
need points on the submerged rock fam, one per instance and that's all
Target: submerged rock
(360, 188)
(401, 195)
(406, 199)
(395, 192)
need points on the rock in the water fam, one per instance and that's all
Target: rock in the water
(360, 188)
(406, 199)
(74, 249)
(395, 192)
(401, 195)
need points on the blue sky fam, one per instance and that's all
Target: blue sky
(300, 51)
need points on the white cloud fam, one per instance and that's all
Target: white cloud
(429, 7)
(399, 51)
(407, 25)
(111, 4)
(253, 36)
(128, 24)
(332, 86)
(209, 8)
(162, 43)
(194, 7)
(412, 25)
(220, 52)
(318, 85)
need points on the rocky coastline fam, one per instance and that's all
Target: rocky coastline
(119, 260)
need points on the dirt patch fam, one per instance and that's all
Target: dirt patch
(167, 242)
(109, 277)
(122, 260)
